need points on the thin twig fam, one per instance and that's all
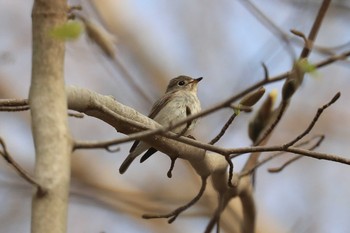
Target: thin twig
(22, 173)
(14, 108)
(223, 130)
(271, 157)
(230, 171)
(130, 79)
(266, 71)
(140, 135)
(13, 105)
(174, 214)
(290, 161)
(314, 120)
(76, 114)
(332, 59)
(269, 24)
(13, 102)
(216, 216)
(275, 170)
(223, 151)
(315, 28)
(172, 165)
(292, 83)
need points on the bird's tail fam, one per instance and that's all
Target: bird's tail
(126, 163)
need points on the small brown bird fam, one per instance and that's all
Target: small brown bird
(179, 101)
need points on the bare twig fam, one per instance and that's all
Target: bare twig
(274, 170)
(283, 35)
(13, 105)
(332, 59)
(76, 114)
(23, 173)
(266, 72)
(224, 151)
(14, 108)
(13, 102)
(271, 157)
(292, 83)
(174, 214)
(223, 130)
(245, 104)
(315, 28)
(106, 145)
(140, 135)
(172, 165)
(215, 219)
(269, 24)
(314, 120)
(290, 161)
(230, 171)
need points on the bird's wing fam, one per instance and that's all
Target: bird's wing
(157, 106)
(148, 154)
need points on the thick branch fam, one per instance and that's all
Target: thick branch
(48, 104)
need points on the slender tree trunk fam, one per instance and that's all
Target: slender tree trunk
(48, 106)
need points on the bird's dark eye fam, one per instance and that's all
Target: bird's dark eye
(181, 83)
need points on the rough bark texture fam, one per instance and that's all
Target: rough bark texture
(48, 106)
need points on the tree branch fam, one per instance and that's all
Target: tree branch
(48, 105)
(174, 214)
(23, 173)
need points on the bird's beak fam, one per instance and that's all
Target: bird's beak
(197, 80)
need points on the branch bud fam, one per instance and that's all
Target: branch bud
(253, 97)
(262, 117)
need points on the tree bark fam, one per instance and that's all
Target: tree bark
(48, 104)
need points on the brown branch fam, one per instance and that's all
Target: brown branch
(291, 85)
(230, 171)
(241, 150)
(216, 149)
(283, 35)
(48, 109)
(274, 170)
(266, 71)
(292, 149)
(140, 135)
(106, 145)
(271, 157)
(223, 130)
(76, 114)
(314, 120)
(14, 108)
(215, 219)
(174, 214)
(13, 105)
(332, 59)
(269, 24)
(290, 161)
(315, 28)
(171, 168)
(21, 171)
(13, 102)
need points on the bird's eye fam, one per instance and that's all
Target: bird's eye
(181, 83)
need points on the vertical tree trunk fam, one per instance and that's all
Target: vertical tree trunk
(48, 106)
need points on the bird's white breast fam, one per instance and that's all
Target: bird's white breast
(175, 110)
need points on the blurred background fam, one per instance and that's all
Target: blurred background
(222, 41)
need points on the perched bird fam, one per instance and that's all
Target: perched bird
(179, 101)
